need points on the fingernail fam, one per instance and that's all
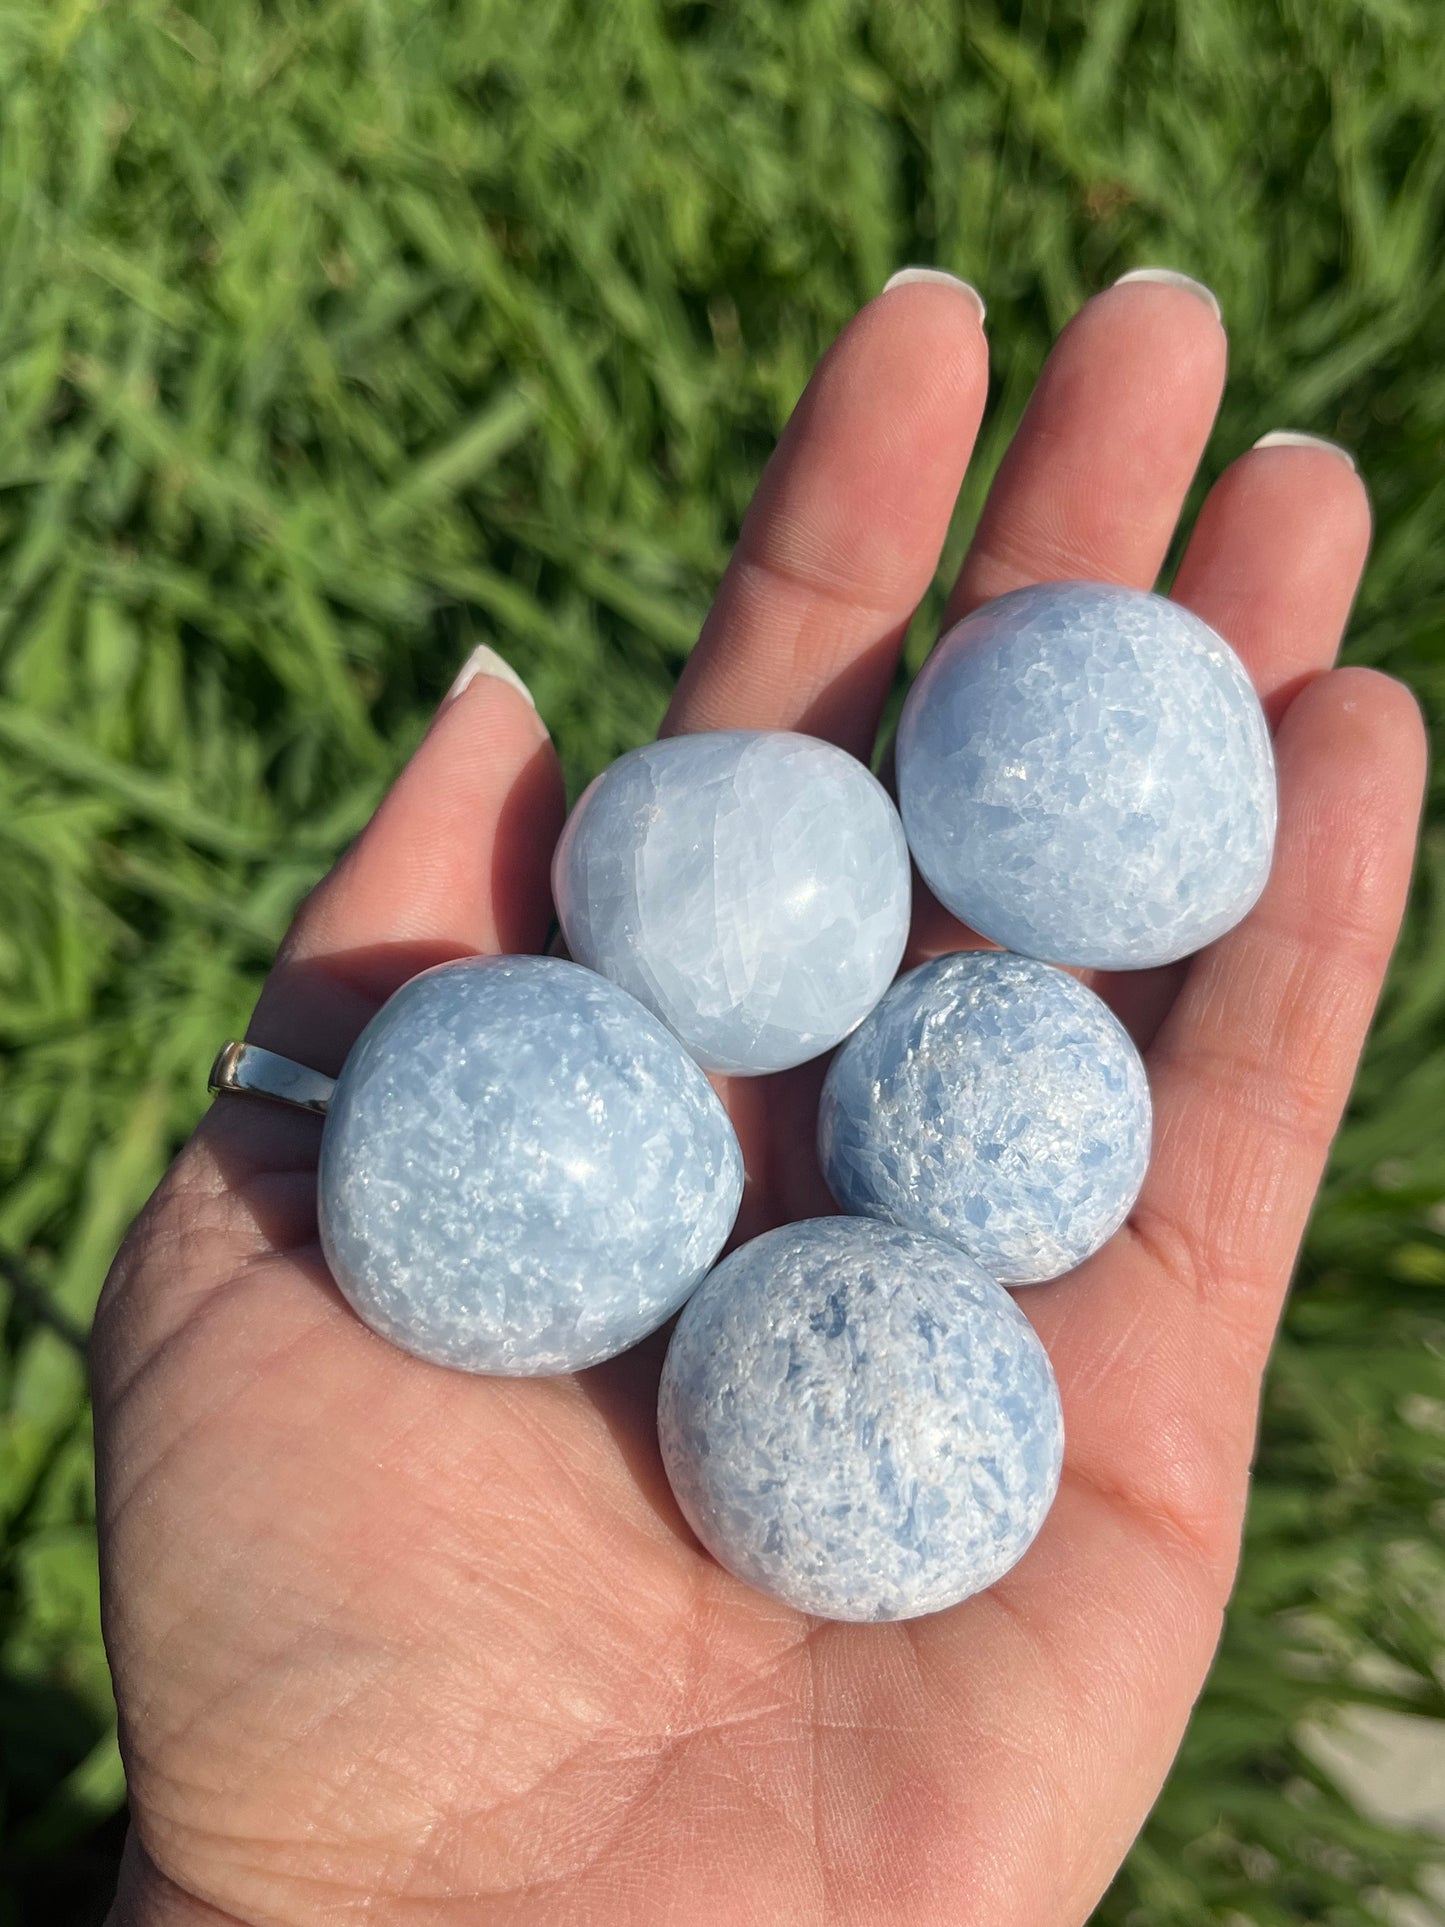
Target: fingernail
(1297, 438)
(905, 277)
(484, 661)
(1172, 278)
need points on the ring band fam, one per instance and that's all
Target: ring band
(248, 1071)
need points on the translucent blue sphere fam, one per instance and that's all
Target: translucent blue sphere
(1085, 775)
(858, 1421)
(522, 1172)
(752, 888)
(995, 1102)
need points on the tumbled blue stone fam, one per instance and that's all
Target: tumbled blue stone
(995, 1102)
(522, 1171)
(1085, 775)
(859, 1421)
(751, 887)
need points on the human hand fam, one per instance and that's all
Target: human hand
(399, 1644)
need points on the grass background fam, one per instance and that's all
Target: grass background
(336, 335)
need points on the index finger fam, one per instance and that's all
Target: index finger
(845, 531)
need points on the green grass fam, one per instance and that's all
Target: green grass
(336, 334)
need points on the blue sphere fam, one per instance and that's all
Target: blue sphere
(522, 1172)
(750, 887)
(858, 1421)
(995, 1102)
(1085, 776)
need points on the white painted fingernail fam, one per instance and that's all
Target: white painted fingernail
(905, 278)
(484, 661)
(1172, 278)
(1297, 438)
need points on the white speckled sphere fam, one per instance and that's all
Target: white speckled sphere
(858, 1421)
(1085, 776)
(750, 887)
(995, 1102)
(522, 1172)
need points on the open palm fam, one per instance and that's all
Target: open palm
(396, 1644)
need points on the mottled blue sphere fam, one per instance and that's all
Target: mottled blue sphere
(1085, 775)
(751, 887)
(995, 1102)
(859, 1421)
(522, 1172)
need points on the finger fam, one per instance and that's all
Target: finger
(1252, 1069)
(1161, 1339)
(454, 862)
(1275, 559)
(844, 534)
(1097, 472)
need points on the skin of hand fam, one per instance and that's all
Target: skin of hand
(396, 1644)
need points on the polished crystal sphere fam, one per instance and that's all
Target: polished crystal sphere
(522, 1171)
(1085, 776)
(995, 1102)
(750, 887)
(858, 1421)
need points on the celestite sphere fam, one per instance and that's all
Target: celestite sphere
(859, 1421)
(1085, 775)
(751, 887)
(995, 1102)
(522, 1172)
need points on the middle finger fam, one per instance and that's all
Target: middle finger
(844, 533)
(1096, 475)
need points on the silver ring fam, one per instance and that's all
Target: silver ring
(248, 1071)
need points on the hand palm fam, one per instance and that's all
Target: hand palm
(390, 1636)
